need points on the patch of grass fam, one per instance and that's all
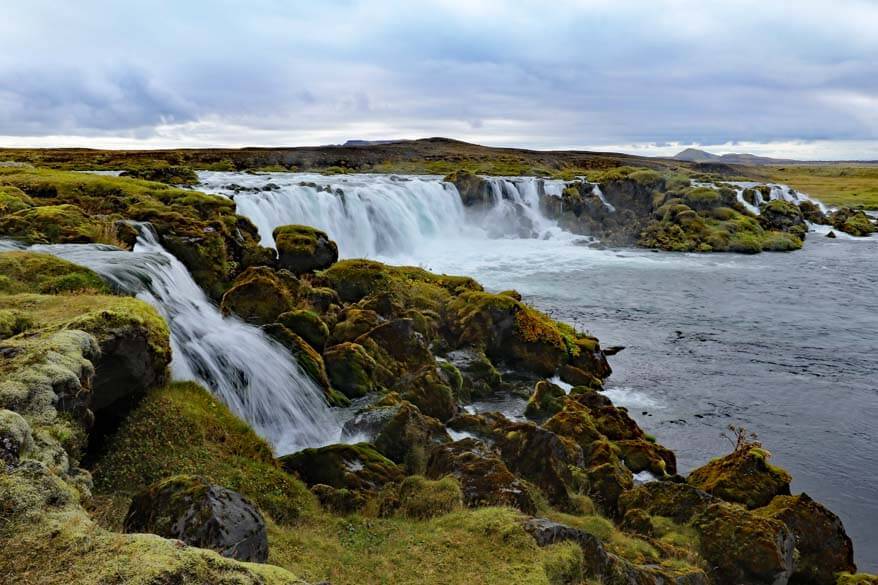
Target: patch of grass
(30, 272)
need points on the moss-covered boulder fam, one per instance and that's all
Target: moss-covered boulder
(853, 222)
(33, 272)
(678, 501)
(783, 216)
(398, 347)
(546, 400)
(351, 370)
(16, 439)
(355, 467)
(644, 455)
(308, 325)
(260, 295)
(352, 323)
(172, 174)
(302, 249)
(741, 547)
(743, 477)
(823, 547)
(484, 479)
(812, 212)
(308, 359)
(13, 199)
(574, 421)
(429, 391)
(479, 377)
(191, 509)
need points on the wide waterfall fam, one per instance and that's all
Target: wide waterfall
(254, 375)
(379, 216)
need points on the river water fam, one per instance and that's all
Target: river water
(785, 345)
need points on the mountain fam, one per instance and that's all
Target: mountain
(702, 156)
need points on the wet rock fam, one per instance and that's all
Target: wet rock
(356, 467)
(480, 377)
(259, 295)
(484, 478)
(308, 325)
(200, 514)
(474, 190)
(831, 234)
(824, 548)
(351, 369)
(302, 249)
(852, 221)
(811, 212)
(398, 347)
(743, 477)
(428, 391)
(546, 400)
(782, 216)
(741, 547)
(308, 359)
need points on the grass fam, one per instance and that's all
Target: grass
(836, 185)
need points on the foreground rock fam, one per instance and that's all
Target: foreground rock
(304, 249)
(743, 477)
(200, 514)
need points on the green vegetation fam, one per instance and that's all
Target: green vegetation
(22, 272)
(836, 185)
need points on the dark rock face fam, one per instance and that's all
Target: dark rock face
(474, 190)
(484, 478)
(302, 249)
(200, 514)
(823, 546)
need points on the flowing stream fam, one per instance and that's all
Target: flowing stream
(783, 344)
(255, 376)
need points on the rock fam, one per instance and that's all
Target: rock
(353, 323)
(643, 455)
(308, 325)
(741, 547)
(605, 483)
(743, 477)
(574, 421)
(259, 295)
(484, 478)
(398, 347)
(15, 437)
(356, 467)
(782, 216)
(831, 234)
(302, 249)
(200, 514)
(811, 212)
(678, 501)
(546, 400)
(474, 190)
(308, 359)
(824, 548)
(852, 221)
(479, 376)
(546, 532)
(351, 369)
(402, 434)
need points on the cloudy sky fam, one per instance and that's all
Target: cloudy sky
(784, 78)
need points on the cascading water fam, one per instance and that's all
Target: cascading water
(379, 216)
(254, 375)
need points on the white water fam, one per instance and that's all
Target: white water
(251, 373)
(381, 216)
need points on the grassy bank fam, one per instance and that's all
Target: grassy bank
(836, 185)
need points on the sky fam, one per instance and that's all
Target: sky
(794, 79)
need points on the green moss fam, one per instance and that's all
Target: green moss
(172, 174)
(183, 429)
(422, 498)
(306, 324)
(744, 477)
(857, 579)
(563, 564)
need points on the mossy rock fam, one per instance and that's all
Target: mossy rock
(355, 467)
(574, 422)
(743, 477)
(182, 429)
(13, 199)
(853, 222)
(63, 224)
(351, 369)
(398, 347)
(302, 249)
(857, 579)
(353, 323)
(643, 455)
(484, 479)
(546, 400)
(824, 548)
(474, 190)
(33, 272)
(308, 359)
(308, 325)
(191, 509)
(408, 435)
(422, 498)
(678, 501)
(260, 295)
(479, 377)
(782, 216)
(741, 547)
(428, 391)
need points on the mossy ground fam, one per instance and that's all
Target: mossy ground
(836, 185)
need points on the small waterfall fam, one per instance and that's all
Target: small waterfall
(376, 216)
(596, 191)
(251, 373)
(777, 192)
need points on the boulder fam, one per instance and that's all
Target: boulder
(678, 501)
(429, 392)
(474, 190)
(15, 438)
(479, 376)
(351, 369)
(824, 548)
(353, 323)
(308, 325)
(484, 478)
(741, 547)
(852, 221)
(811, 212)
(356, 467)
(259, 295)
(782, 216)
(546, 400)
(302, 249)
(200, 514)
(397, 346)
(742, 477)
(644, 455)
(308, 359)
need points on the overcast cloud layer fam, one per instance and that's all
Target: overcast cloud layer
(780, 78)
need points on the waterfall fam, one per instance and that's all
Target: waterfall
(251, 373)
(777, 192)
(377, 216)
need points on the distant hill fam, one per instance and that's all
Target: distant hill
(369, 142)
(702, 156)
